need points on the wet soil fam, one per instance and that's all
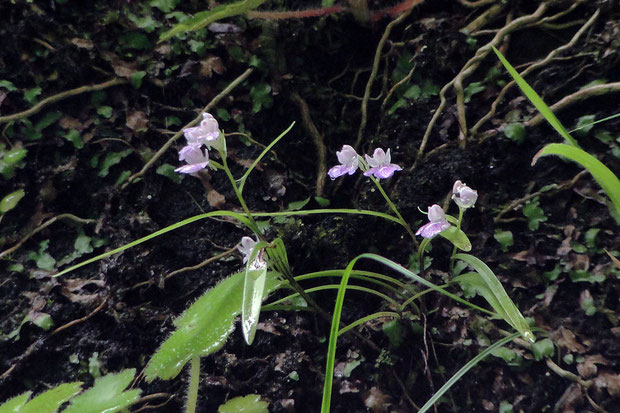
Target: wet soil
(118, 311)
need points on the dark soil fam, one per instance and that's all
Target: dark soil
(60, 45)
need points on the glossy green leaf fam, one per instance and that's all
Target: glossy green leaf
(536, 100)
(11, 200)
(603, 176)
(14, 156)
(107, 395)
(457, 237)
(245, 404)
(15, 404)
(253, 290)
(205, 18)
(492, 290)
(204, 327)
(51, 400)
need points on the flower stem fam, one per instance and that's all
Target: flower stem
(395, 210)
(254, 226)
(192, 389)
(458, 226)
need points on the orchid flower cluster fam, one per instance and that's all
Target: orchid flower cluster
(379, 165)
(200, 139)
(462, 195)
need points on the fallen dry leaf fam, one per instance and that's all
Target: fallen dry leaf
(137, 121)
(565, 338)
(210, 65)
(570, 400)
(376, 400)
(609, 380)
(588, 367)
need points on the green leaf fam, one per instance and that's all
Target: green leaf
(603, 176)
(297, 205)
(413, 92)
(15, 404)
(536, 100)
(107, 395)
(504, 238)
(246, 404)
(8, 86)
(74, 137)
(393, 329)
(165, 6)
(457, 237)
(515, 131)
(204, 327)
(11, 200)
(534, 214)
(111, 159)
(585, 276)
(261, 97)
(105, 111)
(543, 348)
(205, 18)
(472, 89)
(136, 79)
(82, 244)
(492, 290)
(42, 320)
(323, 202)
(49, 119)
(30, 95)
(135, 40)
(253, 292)
(167, 170)
(51, 400)
(584, 125)
(14, 156)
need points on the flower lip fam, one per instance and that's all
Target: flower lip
(349, 162)
(464, 196)
(437, 222)
(195, 157)
(380, 164)
(247, 247)
(207, 131)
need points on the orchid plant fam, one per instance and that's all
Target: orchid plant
(205, 325)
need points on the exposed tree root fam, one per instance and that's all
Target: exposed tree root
(467, 70)
(578, 96)
(373, 75)
(61, 96)
(317, 139)
(41, 227)
(533, 67)
(517, 203)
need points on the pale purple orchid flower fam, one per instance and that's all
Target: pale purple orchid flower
(380, 165)
(464, 196)
(195, 156)
(247, 247)
(349, 162)
(205, 133)
(436, 222)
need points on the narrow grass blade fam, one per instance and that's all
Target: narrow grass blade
(497, 297)
(333, 336)
(536, 100)
(605, 178)
(241, 218)
(457, 376)
(205, 18)
(261, 156)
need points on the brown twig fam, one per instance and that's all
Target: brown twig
(578, 96)
(518, 202)
(317, 139)
(79, 320)
(61, 96)
(196, 120)
(533, 67)
(373, 74)
(42, 227)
